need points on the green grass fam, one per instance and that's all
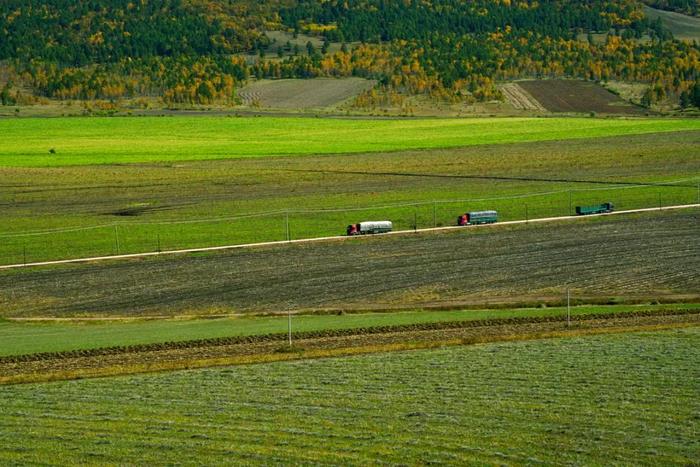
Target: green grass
(597, 400)
(79, 141)
(682, 26)
(196, 204)
(20, 338)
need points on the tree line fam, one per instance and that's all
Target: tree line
(199, 51)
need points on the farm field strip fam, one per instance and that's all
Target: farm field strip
(323, 343)
(560, 95)
(298, 94)
(89, 211)
(36, 335)
(616, 398)
(519, 98)
(344, 237)
(81, 141)
(635, 258)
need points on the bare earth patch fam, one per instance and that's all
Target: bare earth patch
(654, 255)
(575, 96)
(519, 98)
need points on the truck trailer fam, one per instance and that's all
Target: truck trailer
(478, 217)
(597, 209)
(369, 227)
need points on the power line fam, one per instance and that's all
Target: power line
(671, 184)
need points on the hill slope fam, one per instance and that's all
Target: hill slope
(199, 51)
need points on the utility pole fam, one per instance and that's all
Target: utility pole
(286, 217)
(116, 237)
(568, 306)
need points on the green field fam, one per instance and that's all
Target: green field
(78, 211)
(19, 338)
(613, 399)
(683, 27)
(80, 141)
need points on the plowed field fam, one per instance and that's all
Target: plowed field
(303, 94)
(654, 255)
(573, 96)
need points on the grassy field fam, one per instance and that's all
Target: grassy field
(682, 26)
(78, 211)
(20, 338)
(628, 398)
(650, 256)
(80, 141)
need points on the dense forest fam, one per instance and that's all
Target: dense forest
(382, 20)
(200, 51)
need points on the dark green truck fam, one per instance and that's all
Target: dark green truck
(597, 209)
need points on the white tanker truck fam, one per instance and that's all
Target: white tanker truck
(366, 228)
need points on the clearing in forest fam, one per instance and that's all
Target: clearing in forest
(682, 27)
(573, 96)
(302, 93)
(519, 98)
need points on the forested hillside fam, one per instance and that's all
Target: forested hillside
(199, 51)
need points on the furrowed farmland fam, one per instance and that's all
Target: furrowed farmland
(623, 398)
(325, 232)
(651, 256)
(298, 94)
(476, 344)
(578, 96)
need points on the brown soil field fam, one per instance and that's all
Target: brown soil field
(654, 255)
(519, 98)
(168, 356)
(575, 96)
(302, 94)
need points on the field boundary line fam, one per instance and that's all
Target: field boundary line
(336, 238)
(340, 333)
(320, 353)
